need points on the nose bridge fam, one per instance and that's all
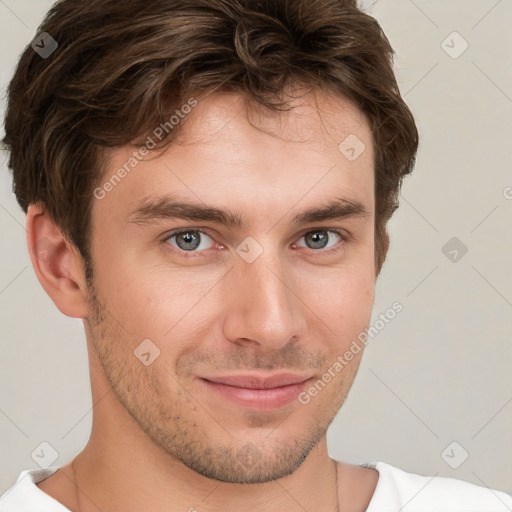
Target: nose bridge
(264, 308)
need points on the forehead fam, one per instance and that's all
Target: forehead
(313, 117)
(231, 150)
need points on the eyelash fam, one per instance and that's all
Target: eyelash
(345, 237)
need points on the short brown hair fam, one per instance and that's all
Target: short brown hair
(121, 67)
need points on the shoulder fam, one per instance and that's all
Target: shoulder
(418, 493)
(26, 495)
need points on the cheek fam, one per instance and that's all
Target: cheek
(342, 298)
(159, 302)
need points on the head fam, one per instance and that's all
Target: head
(272, 135)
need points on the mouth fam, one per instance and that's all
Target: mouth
(256, 391)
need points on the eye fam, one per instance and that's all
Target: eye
(190, 240)
(194, 241)
(321, 239)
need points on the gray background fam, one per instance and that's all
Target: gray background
(441, 370)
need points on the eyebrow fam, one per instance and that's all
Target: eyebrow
(168, 207)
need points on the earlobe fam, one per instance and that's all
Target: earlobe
(57, 263)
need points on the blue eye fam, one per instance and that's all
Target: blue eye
(189, 240)
(321, 239)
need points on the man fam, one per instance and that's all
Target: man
(207, 185)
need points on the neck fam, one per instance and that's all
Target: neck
(119, 475)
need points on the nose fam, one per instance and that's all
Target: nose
(264, 310)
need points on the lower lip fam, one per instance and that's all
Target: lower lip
(258, 399)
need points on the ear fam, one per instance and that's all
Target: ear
(382, 250)
(57, 263)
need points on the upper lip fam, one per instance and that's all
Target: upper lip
(255, 381)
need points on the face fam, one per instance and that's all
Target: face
(230, 273)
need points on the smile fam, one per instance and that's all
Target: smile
(258, 392)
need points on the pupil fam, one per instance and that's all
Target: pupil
(190, 241)
(318, 239)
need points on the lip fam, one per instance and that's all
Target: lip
(257, 391)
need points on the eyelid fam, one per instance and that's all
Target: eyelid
(339, 231)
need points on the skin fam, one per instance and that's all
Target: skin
(294, 308)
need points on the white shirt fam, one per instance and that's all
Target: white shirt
(396, 491)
